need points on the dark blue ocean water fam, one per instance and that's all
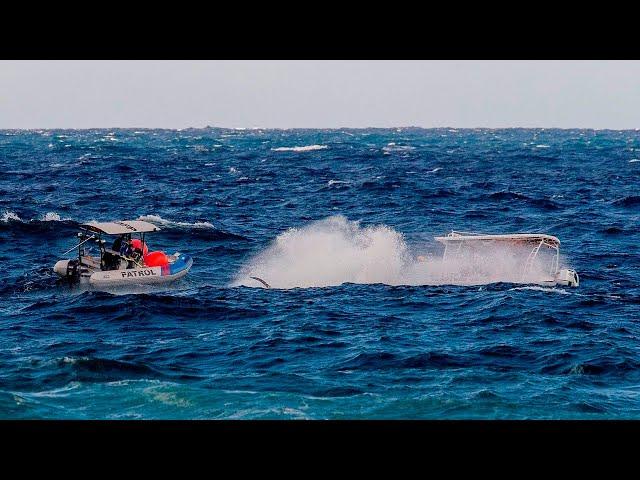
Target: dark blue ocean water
(207, 349)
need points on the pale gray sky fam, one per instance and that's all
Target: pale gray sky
(289, 94)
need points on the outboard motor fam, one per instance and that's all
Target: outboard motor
(61, 267)
(67, 269)
(568, 277)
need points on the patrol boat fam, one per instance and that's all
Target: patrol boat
(125, 261)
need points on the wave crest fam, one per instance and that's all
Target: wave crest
(9, 216)
(171, 223)
(306, 148)
(203, 230)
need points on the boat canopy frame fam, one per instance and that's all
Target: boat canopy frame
(535, 240)
(120, 227)
(96, 230)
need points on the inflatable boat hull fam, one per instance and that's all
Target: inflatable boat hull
(145, 275)
(88, 273)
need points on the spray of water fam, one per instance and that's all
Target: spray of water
(335, 250)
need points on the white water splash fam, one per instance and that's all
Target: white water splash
(306, 148)
(335, 250)
(8, 215)
(51, 217)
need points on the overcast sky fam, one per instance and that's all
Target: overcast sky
(290, 94)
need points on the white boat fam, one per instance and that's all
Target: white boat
(129, 264)
(542, 262)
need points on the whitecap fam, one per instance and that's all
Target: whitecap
(335, 182)
(8, 215)
(634, 160)
(162, 221)
(243, 392)
(306, 148)
(73, 360)
(392, 147)
(50, 217)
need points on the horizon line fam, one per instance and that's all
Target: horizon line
(412, 127)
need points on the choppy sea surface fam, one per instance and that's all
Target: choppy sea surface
(329, 218)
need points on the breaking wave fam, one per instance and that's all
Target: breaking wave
(393, 147)
(201, 230)
(158, 219)
(306, 148)
(50, 223)
(334, 251)
(8, 216)
(52, 217)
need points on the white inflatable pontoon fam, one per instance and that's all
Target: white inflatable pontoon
(455, 243)
(127, 266)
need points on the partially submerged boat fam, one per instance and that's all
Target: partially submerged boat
(125, 261)
(542, 264)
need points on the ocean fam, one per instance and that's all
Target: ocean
(353, 326)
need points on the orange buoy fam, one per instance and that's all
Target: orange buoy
(156, 259)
